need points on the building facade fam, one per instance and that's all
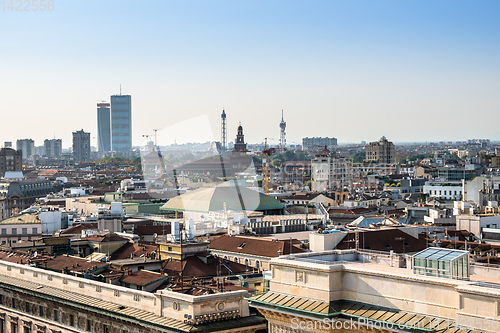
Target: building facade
(103, 127)
(10, 160)
(27, 146)
(367, 291)
(81, 146)
(313, 143)
(330, 172)
(38, 300)
(52, 148)
(121, 123)
(380, 151)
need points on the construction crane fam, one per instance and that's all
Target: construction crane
(266, 179)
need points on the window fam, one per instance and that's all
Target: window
(106, 328)
(27, 307)
(89, 325)
(56, 315)
(34, 230)
(24, 231)
(71, 320)
(14, 231)
(169, 249)
(14, 303)
(4, 231)
(41, 311)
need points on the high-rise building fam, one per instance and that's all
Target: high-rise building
(330, 172)
(10, 160)
(81, 146)
(223, 135)
(52, 148)
(27, 146)
(240, 145)
(103, 127)
(121, 123)
(380, 151)
(282, 133)
(321, 143)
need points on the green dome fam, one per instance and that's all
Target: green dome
(212, 199)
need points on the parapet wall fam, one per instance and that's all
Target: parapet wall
(163, 303)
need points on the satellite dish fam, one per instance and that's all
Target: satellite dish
(237, 218)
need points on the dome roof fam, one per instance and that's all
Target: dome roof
(235, 198)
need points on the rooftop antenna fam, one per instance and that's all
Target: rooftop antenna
(120, 88)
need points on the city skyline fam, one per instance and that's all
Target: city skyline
(409, 71)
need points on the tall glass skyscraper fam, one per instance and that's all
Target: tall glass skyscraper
(103, 127)
(121, 123)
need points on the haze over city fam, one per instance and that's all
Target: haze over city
(356, 70)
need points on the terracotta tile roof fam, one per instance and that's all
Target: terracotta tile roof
(383, 240)
(264, 247)
(148, 230)
(72, 264)
(133, 250)
(195, 267)
(109, 237)
(77, 228)
(142, 277)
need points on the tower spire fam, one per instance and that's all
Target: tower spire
(282, 133)
(223, 131)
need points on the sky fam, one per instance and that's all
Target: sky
(355, 70)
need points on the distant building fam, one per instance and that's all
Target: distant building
(121, 123)
(52, 148)
(330, 172)
(312, 143)
(7, 144)
(104, 127)
(10, 160)
(81, 146)
(27, 146)
(380, 151)
(240, 145)
(17, 195)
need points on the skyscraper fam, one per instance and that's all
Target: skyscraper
(103, 127)
(81, 146)
(52, 148)
(27, 146)
(121, 123)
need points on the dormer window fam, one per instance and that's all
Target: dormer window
(242, 246)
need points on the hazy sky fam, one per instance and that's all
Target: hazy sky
(352, 69)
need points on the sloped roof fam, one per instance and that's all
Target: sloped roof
(260, 246)
(133, 250)
(236, 198)
(383, 240)
(142, 277)
(195, 267)
(27, 218)
(77, 228)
